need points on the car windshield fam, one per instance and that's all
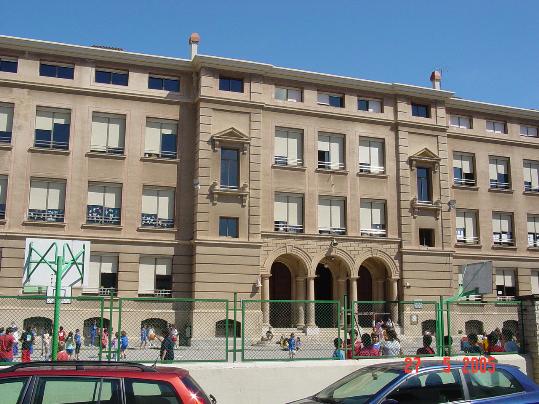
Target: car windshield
(358, 387)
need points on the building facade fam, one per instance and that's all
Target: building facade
(204, 177)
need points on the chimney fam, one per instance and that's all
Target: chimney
(194, 39)
(436, 80)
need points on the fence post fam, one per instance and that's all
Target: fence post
(57, 302)
(118, 350)
(234, 331)
(440, 328)
(111, 328)
(345, 326)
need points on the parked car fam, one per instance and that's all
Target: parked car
(85, 382)
(388, 383)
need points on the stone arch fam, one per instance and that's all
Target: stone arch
(385, 258)
(335, 252)
(297, 252)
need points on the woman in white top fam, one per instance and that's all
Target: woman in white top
(391, 346)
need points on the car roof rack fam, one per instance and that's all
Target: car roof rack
(78, 365)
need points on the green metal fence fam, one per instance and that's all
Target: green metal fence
(289, 329)
(471, 324)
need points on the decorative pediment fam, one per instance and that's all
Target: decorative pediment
(231, 136)
(425, 156)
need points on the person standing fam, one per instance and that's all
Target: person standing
(15, 333)
(143, 336)
(27, 339)
(291, 346)
(93, 333)
(46, 345)
(78, 343)
(151, 336)
(124, 342)
(7, 341)
(70, 344)
(61, 334)
(391, 346)
(426, 349)
(62, 354)
(167, 347)
(338, 353)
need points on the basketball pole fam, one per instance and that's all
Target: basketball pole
(57, 301)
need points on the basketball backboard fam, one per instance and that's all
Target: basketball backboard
(477, 278)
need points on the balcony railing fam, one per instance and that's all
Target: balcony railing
(505, 298)
(2, 211)
(330, 165)
(162, 293)
(467, 182)
(528, 187)
(371, 169)
(373, 232)
(107, 291)
(5, 137)
(472, 298)
(46, 215)
(107, 149)
(97, 214)
(162, 154)
(151, 220)
(499, 185)
(286, 161)
(505, 239)
(467, 239)
(533, 239)
(281, 226)
(339, 231)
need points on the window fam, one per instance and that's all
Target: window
(51, 390)
(12, 388)
(368, 105)
(372, 219)
(496, 127)
(164, 83)
(6, 122)
(502, 228)
(102, 278)
(3, 196)
(146, 391)
(47, 199)
(535, 282)
(104, 204)
(499, 173)
(531, 176)
(459, 121)
(108, 133)
(332, 100)
(528, 131)
(230, 169)
(331, 215)
(52, 128)
(371, 156)
(488, 385)
(288, 147)
(228, 227)
(61, 71)
(466, 227)
(424, 193)
(288, 211)
(8, 65)
(430, 388)
(426, 237)
(108, 76)
(155, 276)
(420, 110)
(230, 84)
(463, 169)
(533, 227)
(330, 151)
(505, 284)
(161, 138)
(157, 208)
(288, 94)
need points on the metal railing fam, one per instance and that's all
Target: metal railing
(464, 181)
(287, 228)
(503, 239)
(339, 231)
(107, 149)
(287, 161)
(5, 137)
(371, 168)
(373, 232)
(331, 165)
(494, 184)
(46, 215)
(467, 240)
(151, 220)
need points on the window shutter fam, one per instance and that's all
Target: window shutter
(43, 120)
(323, 142)
(56, 195)
(295, 210)
(377, 154)
(109, 264)
(502, 166)
(61, 118)
(336, 151)
(499, 277)
(496, 223)
(113, 197)
(92, 275)
(492, 170)
(152, 140)
(454, 120)
(534, 173)
(168, 128)
(96, 195)
(280, 208)
(324, 213)
(364, 151)
(378, 213)
(116, 132)
(146, 278)
(337, 213)
(6, 118)
(281, 141)
(535, 282)
(149, 201)
(460, 220)
(3, 190)
(509, 278)
(38, 195)
(99, 132)
(365, 221)
(280, 93)
(323, 98)
(505, 223)
(294, 146)
(163, 266)
(294, 95)
(166, 204)
(531, 224)
(470, 224)
(467, 166)
(375, 106)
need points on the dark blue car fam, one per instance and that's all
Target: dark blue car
(434, 382)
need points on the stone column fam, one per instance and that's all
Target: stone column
(341, 291)
(300, 295)
(310, 306)
(265, 296)
(353, 288)
(380, 295)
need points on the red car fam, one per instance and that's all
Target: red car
(85, 382)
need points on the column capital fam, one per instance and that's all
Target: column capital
(311, 277)
(300, 278)
(265, 276)
(354, 278)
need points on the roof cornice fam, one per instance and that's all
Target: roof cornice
(459, 103)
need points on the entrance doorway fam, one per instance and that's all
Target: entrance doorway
(323, 290)
(364, 285)
(280, 289)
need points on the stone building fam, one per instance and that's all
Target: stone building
(209, 176)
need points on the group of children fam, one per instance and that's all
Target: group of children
(496, 341)
(291, 344)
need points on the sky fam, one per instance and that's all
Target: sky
(488, 50)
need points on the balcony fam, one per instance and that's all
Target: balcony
(46, 215)
(368, 168)
(337, 231)
(330, 165)
(499, 185)
(462, 239)
(97, 214)
(503, 239)
(286, 161)
(152, 221)
(284, 227)
(465, 182)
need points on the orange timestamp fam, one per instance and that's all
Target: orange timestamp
(474, 364)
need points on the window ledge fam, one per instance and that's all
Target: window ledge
(330, 171)
(291, 168)
(531, 193)
(111, 156)
(159, 160)
(504, 247)
(157, 229)
(500, 191)
(6, 146)
(466, 245)
(466, 187)
(372, 175)
(102, 226)
(59, 152)
(3, 221)
(529, 248)
(39, 223)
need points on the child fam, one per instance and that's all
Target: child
(78, 343)
(338, 353)
(62, 354)
(291, 346)
(70, 344)
(124, 342)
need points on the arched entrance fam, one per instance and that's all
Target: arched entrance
(280, 285)
(323, 290)
(364, 285)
